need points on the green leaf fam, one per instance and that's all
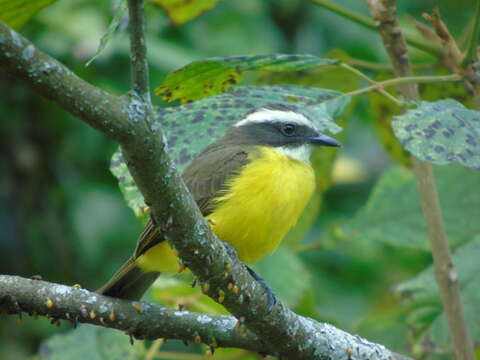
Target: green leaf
(393, 214)
(441, 132)
(285, 273)
(90, 342)
(190, 128)
(15, 13)
(181, 11)
(200, 79)
(120, 13)
(422, 299)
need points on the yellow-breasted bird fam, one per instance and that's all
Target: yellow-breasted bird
(252, 185)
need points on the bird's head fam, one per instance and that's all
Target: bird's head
(281, 127)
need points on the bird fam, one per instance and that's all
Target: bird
(251, 185)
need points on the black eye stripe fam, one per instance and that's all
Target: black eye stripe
(273, 133)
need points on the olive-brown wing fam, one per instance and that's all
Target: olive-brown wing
(205, 177)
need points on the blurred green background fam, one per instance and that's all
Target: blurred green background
(63, 217)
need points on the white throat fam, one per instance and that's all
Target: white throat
(300, 153)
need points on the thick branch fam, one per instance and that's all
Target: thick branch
(140, 319)
(177, 215)
(50, 78)
(150, 321)
(384, 13)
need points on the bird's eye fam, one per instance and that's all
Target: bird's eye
(289, 129)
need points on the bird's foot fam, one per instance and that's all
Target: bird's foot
(271, 298)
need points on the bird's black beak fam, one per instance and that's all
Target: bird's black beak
(324, 140)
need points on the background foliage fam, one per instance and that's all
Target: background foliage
(359, 256)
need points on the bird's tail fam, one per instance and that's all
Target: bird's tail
(129, 282)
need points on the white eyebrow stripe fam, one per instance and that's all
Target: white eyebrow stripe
(266, 115)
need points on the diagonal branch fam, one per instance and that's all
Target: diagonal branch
(384, 13)
(177, 215)
(51, 79)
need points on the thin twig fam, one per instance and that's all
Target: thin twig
(346, 13)
(403, 81)
(471, 53)
(138, 47)
(142, 320)
(384, 12)
(369, 24)
(152, 352)
(376, 85)
(369, 65)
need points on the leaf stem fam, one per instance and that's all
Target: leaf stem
(138, 47)
(346, 13)
(378, 88)
(403, 80)
(370, 24)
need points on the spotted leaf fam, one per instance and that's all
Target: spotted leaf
(441, 132)
(191, 127)
(200, 79)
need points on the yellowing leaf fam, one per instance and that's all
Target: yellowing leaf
(181, 11)
(212, 76)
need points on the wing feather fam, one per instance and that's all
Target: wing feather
(205, 177)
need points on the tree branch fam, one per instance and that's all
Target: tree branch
(149, 321)
(138, 47)
(180, 220)
(379, 85)
(384, 13)
(50, 78)
(140, 319)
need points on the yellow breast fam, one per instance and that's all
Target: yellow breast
(262, 203)
(254, 213)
